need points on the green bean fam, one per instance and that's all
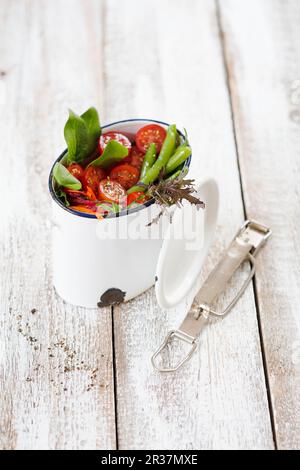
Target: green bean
(182, 153)
(149, 159)
(153, 172)
(136, 188)
(182, 172)
(165, 153)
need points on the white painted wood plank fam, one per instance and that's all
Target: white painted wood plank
(263, 54)
(50, 59)
(164, 61)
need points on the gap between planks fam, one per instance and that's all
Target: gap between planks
(114, 376)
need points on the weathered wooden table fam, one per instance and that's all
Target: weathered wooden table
(229, 72)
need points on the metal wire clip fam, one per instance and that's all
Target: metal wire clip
(244, 247)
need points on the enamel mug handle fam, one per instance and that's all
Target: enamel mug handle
(185, 246)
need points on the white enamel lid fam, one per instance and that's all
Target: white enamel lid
(185, 246)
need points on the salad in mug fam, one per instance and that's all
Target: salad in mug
(106, 173)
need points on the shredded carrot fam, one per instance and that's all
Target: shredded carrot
(82, 209)
(90, 193)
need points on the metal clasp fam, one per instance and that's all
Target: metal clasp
(255, 233)
(181, 336)
(247, 242)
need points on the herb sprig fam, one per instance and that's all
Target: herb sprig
(175, 191)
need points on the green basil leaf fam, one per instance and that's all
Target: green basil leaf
(81, 134)
(76, 136)
(62, 196)
(64, 178)
(91, 119)
(114, 152)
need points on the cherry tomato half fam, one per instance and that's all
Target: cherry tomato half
(138, 197)
(122, 139)
(76, 170)
(136, 158)
(126, 175)
(111, 191)
(92, 176)
(148, 134)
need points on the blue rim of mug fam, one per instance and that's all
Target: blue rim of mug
(121, 213)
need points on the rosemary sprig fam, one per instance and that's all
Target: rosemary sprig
(170, 192)
(173, 191)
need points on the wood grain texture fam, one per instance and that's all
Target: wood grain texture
(165, 61)
(56, 387)
(264, 71)
(170, 67)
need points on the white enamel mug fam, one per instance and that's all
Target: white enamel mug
(105, 262)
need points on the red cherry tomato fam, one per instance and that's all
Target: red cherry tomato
(76, 170)
(138, 197)
(92, 177)
(126, 175)
(111, 191)
(148, 134)
(122, 139)
(136, 158)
